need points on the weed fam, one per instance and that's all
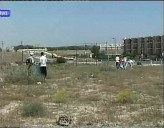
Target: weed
(125, 96)
(33, 109)
(60, 97)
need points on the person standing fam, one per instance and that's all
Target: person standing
(30, 62)
(121, 62)
(43, 65)
(117, 62)
(125, 63)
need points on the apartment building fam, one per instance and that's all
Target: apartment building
(152, 46)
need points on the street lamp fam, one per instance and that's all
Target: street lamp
(115, 45)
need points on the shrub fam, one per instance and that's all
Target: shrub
(33, 109)
(19, 75)
(125, 96)
(61, 60)
(60, 97)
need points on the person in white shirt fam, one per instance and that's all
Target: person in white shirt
(43, 65)
(117, 62)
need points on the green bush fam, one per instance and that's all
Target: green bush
(125, 96)
(61, 60)
(60, 97)
(33, 109)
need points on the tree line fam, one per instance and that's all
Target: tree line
(94, 49)
(83, 47)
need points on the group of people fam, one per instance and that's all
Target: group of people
(42, 64)
(121, 62)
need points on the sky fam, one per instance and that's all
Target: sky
(66, 23)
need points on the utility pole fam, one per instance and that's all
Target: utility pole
(76, 55)
(85, 53)
(96, 53)
(2, 50)
(22, 50)
(106, 48)
(115, 45)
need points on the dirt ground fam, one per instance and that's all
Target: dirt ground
(91, 96)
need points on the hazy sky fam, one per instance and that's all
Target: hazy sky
(52, 23)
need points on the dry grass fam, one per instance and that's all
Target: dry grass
(10, 57)
(91, 100)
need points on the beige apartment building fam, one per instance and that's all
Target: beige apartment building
(147, 47)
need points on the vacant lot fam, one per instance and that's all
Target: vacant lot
(91, 94)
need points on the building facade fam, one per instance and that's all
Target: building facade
(112, 49)
(146, 47)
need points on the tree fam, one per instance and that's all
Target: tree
(61, 60)
(23, 47)
(95, 50)
(132, 55)
(103, 56)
